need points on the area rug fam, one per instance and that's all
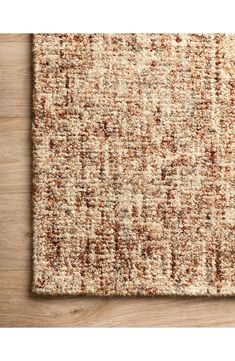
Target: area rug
(133, 180)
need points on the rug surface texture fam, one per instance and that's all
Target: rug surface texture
(133, 156)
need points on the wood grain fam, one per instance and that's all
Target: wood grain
(15, 75)
(18, 307)
(15, 37)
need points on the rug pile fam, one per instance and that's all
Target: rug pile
(133, 189)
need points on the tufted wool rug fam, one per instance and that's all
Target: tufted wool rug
(133, 189)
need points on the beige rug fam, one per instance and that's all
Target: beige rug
(133, 184)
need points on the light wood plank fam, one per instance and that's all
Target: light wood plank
(15, 37)
(15, 75)
(15, 155)
(15, 232)
(15, 194)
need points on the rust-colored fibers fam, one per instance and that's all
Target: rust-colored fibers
(133, 189)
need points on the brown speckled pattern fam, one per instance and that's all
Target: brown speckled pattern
(133, 185)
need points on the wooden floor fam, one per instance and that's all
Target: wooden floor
(18, 307)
